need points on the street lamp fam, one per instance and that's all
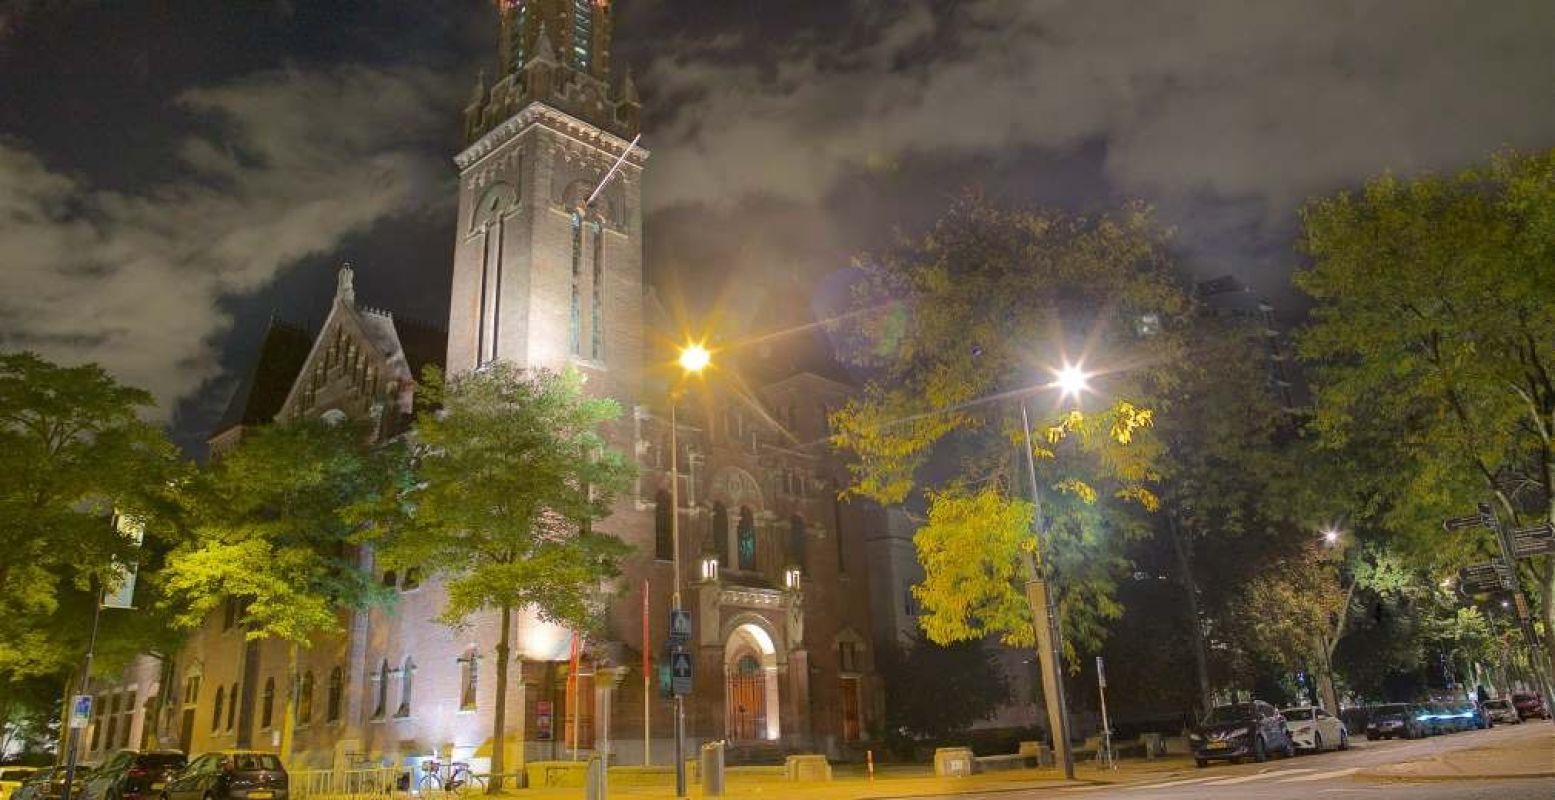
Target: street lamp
(1071, 380)
(693, 359)
(1331, 536)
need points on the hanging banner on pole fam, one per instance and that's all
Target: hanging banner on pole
(120, 590)
(80, 711)
(1101, 673)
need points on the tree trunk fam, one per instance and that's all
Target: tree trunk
(499, 716)
(289, 708)
(1547, 610)
(1195, 626)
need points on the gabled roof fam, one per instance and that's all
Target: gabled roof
(264, 389)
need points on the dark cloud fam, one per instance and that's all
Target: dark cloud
(292, 164)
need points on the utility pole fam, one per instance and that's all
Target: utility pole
(86, 684)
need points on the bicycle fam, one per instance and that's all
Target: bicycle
(459, 778)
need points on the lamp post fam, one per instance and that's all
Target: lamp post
(1071, 381)
(693, 359)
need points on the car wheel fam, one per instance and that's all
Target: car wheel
(1260, 752)
(1317, 742)
(1200, 763)
(1290, 747)
(1344, 739)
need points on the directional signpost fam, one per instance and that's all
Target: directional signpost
(1501, 574)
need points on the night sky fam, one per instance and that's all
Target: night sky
(174, 173)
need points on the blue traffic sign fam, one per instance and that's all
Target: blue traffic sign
(680, 672)
(680, 626)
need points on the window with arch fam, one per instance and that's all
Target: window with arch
(663, 526)
(796, 540)
(391, 579)
(332, 696)
(407, 675)
(267, 705)
(469, 678)
(597, 296)
(232, 708)
(721, 534)
(582, 34)
(221, 700)
(746, 539)
(412, 579)
(305, 699)
(381, 705)
(575, 329)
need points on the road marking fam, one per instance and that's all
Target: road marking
(1184, 782)
(1262, 776)
(1323, 776)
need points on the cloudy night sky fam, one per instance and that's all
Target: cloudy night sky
(173, 173)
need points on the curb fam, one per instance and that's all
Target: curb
(1392, 777)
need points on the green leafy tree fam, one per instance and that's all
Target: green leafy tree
(73, 450)
(278, 522)
(922, 674)
(960, 326)
(1431, 347)
(513, 472)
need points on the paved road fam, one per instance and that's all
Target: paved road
(1327, 775)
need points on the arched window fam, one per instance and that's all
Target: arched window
(721, 534)
(305, 699)
(597, 296)
(407, 673)
(746, 535)
(221, 697)
(381, 690)
(663, 522)
(267, 705)
(391, 579)
(582, 34)
(796, 541)
(232, 707)
(332, 697)
(412, 579)
(575, 329)
(468, 679)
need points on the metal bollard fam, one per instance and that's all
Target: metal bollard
(596, 779)
(712, 769)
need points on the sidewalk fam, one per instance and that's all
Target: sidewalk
(889, 782)
(1526, 756)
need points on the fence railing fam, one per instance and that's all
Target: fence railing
(364, 782)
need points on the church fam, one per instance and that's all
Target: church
(547, 272)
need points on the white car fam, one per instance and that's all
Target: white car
(1315, 730)
(1502, 712)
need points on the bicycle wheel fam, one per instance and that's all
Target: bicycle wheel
(429, 783)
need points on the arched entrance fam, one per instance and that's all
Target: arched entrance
(751, 685)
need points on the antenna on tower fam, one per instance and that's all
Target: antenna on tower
(611, 174)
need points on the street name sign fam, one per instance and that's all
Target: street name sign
(1482, 578)
(680, 672)
(1464, 522)
(1533, 541)
(680, 626)
(80, 711)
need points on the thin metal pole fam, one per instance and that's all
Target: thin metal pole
(680, 702)
(647, 694)
(1536, 653)
(1040, 596)
(1106, 726)
(86, 679)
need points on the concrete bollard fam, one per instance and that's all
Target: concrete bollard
(712, 769)
(596, 779)
(953, 761)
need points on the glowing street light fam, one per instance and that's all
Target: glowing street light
(694, 358)
(1331, 536)
(1072, 380)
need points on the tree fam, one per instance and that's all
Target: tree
(957, 327)
(1430, 341)
(922, 674)
(278, 522)
(513, 473)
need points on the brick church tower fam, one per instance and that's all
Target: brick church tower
(542, 276)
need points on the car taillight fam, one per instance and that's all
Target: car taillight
(136, 772)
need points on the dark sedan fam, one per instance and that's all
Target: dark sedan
(1241, 730)
(130, 775)
(230, 775)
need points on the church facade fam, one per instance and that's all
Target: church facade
(547, 273)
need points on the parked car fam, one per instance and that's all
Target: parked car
(1313, 729)
(1241, 730)
(1530, 706)
(1395, 720)
(131, 775)
(36, 786)
(229, 775)
(1473, 716)
(1436, 718)
(1502, 711)
(12, 778)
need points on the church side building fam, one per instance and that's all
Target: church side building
(547, 273)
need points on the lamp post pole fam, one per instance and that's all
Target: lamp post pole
(1043, 618)
(679, 701)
